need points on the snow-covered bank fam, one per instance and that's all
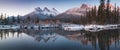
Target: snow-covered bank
(72, 27)
(41, 26)
(96, 28)
(91, 28)
(65, 26)
(9, 27)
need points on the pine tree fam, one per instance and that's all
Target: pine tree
(115, 14)
(13, 20)
(118, 15)
(8, 20)
(5, 20)
(37, 20)
(1, 17)
(18, 19)
(28, 19)
(108, 12)
(101, 12)
(95, 13)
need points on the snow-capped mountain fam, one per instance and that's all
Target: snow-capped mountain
(79, 10)
(75, 12)
(43, 13)
(47, 11)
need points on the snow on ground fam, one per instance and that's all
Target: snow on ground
(9, 26)
(72, 27)
(65, 26)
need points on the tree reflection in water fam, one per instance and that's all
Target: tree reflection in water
(102, 40)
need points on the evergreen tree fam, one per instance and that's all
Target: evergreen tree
(101, 12)
(108, 12)
(13, 20)
(37, 20)
(18, 19)
(1, 17)
(5, 20)
(8, 20)
(28, 19)
(117, 15)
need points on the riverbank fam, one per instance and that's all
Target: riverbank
(66, 27)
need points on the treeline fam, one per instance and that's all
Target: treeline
(3, 19)
(27, 20)
(7, 20)
(104, 14)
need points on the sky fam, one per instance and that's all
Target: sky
(22, 7)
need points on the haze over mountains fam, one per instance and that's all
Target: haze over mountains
(47, 13)
(51, 13)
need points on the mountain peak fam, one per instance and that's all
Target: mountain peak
(84, 6)
(54, 9)
(110, 5)
(38, 9)
(46, 9)
(43, 13)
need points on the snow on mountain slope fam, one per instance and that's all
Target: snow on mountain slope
(43, 13)
(75, 12)
(79, 10)
(53, 11)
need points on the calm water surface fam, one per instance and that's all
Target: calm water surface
(59, 40)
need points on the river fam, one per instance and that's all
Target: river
(59, 40)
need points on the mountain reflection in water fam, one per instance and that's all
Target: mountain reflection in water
(59, 40)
